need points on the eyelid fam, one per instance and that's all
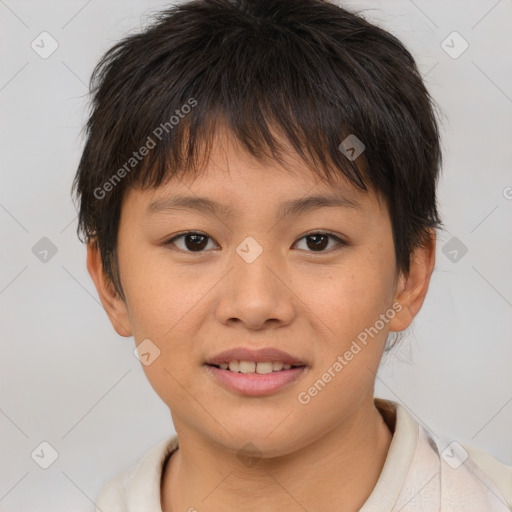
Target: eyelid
(170, 241)
(341, 241)
(321, 232)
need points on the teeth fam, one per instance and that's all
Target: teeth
(264, 367)
(260, 367)
(247, 367)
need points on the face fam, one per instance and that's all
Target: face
(254, 274)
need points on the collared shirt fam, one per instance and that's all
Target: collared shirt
(421, 473)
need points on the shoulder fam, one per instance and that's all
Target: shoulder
(468, 476)
(500, 474)
(138, 487)
(112, 495)
(443, 474)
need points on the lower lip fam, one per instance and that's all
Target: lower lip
(256, 384)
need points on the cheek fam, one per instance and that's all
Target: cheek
(349, 355)
(160, 293)
(164, 297)
(164, 301)
(354, 295)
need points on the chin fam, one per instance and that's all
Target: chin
(253, 441)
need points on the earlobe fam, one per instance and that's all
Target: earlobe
(113, 304)
(412, 288)
(402, 318)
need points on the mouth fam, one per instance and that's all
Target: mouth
(261, 361)
(254, 373)
(256, 367)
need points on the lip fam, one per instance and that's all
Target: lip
(255, 384)
(262, 354)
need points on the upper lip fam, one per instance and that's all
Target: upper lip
(259, 355)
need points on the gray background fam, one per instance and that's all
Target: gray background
(68, 379)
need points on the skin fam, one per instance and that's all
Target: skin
(325, 455)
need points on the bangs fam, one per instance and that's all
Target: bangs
(306, 79)
(259, 81)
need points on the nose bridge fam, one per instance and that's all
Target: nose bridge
(255, 270)
(256, 292)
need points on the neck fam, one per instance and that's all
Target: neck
(336, 472)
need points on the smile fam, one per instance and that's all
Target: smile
(248, 381)
(260, 367)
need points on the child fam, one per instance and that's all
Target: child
(295, 145)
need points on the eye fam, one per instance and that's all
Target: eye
(191, 241)
(318, 241)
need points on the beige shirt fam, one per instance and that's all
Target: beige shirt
(422, 473)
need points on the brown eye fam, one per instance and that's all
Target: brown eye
(318, 242)
(190, 241)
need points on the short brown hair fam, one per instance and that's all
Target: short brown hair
(316, 71)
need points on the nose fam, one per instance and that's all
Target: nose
(256, 293)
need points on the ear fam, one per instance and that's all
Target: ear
(412, 288)
(112, 302)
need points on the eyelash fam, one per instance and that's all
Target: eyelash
(341, 242)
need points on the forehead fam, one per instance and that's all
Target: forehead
(232, 175)
(258, 196)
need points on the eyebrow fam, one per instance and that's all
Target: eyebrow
(208, 206)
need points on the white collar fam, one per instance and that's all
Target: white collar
(415, 477)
